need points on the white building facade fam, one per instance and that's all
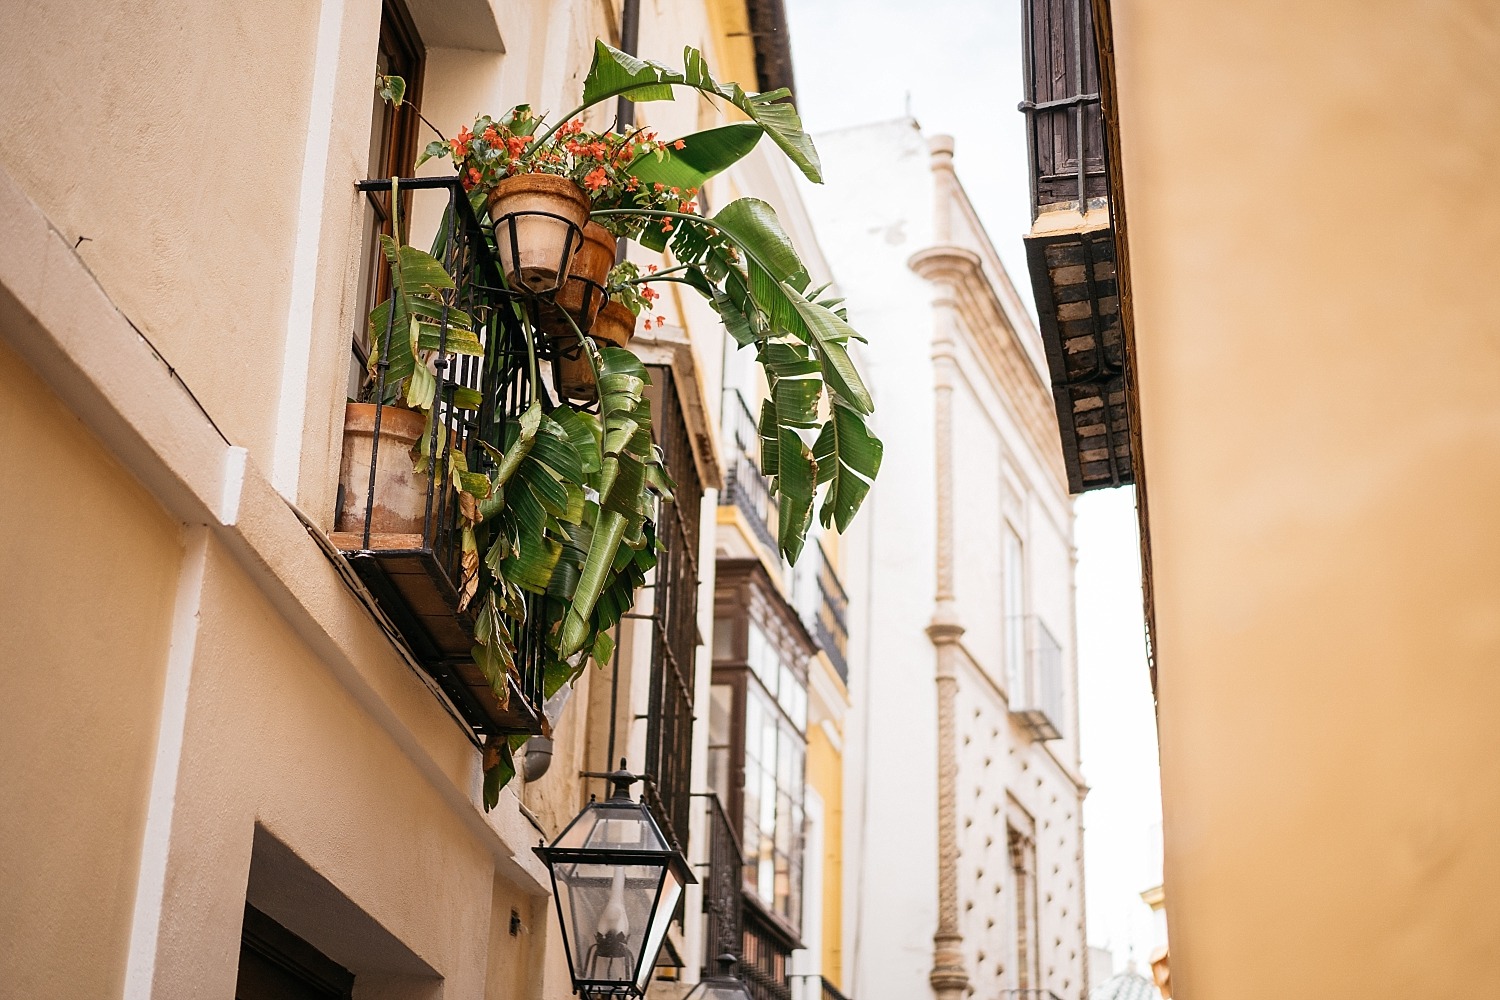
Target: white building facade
(963, 869)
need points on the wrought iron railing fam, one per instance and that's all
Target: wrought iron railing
(1038, 692)
(767, 954)
(830, 991)
(746, 487)
(830, 626)
(674, 619)
(414, 565)
(722, 889)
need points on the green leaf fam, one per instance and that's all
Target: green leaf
(753, 225)
(617, 74)
(391, 89)
(848, 458)
(702, 156)
(829, 334)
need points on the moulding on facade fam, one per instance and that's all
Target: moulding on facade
(986, 328)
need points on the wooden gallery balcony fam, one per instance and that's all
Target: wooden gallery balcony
(1071, 250)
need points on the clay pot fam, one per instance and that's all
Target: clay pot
(545, 244)
(591, 263)
(400, 492)
(575, 377)
(615, 325)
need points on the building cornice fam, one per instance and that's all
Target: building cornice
(992, 339)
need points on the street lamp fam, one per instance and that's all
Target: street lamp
(617, 883)
(722, 985)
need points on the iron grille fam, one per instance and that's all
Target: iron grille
(767, 953)
(830, 627)
(674, 619)
(722, 906)
(417, 577)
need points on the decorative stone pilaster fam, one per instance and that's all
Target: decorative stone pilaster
(945, 266)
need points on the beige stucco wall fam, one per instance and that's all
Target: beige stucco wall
(171, 136)
(1314, 233)
(91, 565)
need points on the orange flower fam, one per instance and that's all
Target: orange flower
(679, 144)
(460, 144)
(646, 325)
(596, 179)
(659, 187)
(514, 146)
(650, 268)
(666, 225)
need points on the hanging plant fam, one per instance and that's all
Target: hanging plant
(569, 512)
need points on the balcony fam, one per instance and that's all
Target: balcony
(830, 623)
(1038, 694)
(1071, 251)
(415, 570)
(737, 923)
(746, 486)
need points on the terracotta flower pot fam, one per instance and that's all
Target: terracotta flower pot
(575, 376)
(544, 244)
(400, 492)
(591, 263)
(615, 325)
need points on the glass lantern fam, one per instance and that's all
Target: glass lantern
(617, 883)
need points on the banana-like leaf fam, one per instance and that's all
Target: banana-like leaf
(703, 155)
(848, 459)
(618, 74)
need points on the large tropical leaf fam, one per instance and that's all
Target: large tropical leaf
(618, 74)
(848, 458)
(703, 155)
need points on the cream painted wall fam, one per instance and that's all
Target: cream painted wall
(91, 571)
(171, 136)
(1313, 230)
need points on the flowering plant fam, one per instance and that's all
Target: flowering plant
(630, 288)
(607, 165)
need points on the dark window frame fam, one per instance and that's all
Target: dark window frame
(395, 135)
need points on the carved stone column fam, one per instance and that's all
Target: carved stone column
(944, 265)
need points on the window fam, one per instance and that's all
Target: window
(757, 723)
(393, 152)
(1014, 598)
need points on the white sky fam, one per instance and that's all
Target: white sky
(955, 65)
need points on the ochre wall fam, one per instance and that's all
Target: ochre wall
(91, 565)
(1314, 235)
(825, 774)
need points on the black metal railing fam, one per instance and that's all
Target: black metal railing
(830, 626)
(1064, 127)
(746, 487)
(830, 991)
(722, 890)
(1029, 994)
(413, 562)
(1038, 692)
(674, 618)
(767, 954)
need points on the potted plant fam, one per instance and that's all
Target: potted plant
(567, 512)
(391, 426)
(627, 294)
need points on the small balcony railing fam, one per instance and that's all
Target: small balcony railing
(830, 626)
(722, 902)
(1038, 696)
(414, 566)
(746, 487)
